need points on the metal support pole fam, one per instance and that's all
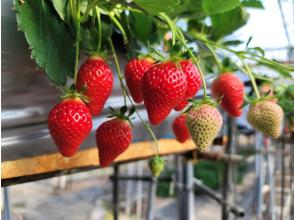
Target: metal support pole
(271, 175)
(6, 208)
(139, 190)
(115, 191)
(179, 180)
(291, 175)
(151, 200)
(259, 176)
(236, 210)
(187, 192)
(228, 169)
(282, 179)
(129, 189)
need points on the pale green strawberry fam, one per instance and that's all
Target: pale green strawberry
(204, 122)
(156, 164)
(267, 117)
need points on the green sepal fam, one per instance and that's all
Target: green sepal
(102, 54)
(123, 113)
(71, 92)
(206, 100)
(153, 54)
(253, 100)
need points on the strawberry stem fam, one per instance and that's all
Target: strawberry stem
(178, 33)
(99, 28)
(77, 42)
(119, 74)
(247, 70)
(90, 7)
(196, 62)
(126, 94)
(252, 79)
(214, 56)
(119, 26)
(171, 25)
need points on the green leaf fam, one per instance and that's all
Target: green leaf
(212, 7)
(253, 4)
(279, 68)
(189, 8)
(248, 41)
(256, 50)
(232, 42)
(142, 27)
(61, 8)
(153, 7)
(51, 44)
(226, 23)
(90, 36)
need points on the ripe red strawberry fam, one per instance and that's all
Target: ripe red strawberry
(113, 137)
(180, 129)
(96, 78)
(69, 124)
(231, 89)
(204, 123)
(193, 82)
(163, 87)
(267, 117)
(134, 72)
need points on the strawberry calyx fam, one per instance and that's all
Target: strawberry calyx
(101, 55)
(123, 113)
(253, 100)
(72, 93)
(156, 165)
(153, 55)
(206, 100)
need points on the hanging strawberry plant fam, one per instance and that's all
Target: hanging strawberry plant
(170, 44)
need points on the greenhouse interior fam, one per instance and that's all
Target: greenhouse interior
(147, 109)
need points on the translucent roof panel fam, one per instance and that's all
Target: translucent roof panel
(266, 27)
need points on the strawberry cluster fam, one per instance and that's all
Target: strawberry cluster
(70, 121)
(162, 87)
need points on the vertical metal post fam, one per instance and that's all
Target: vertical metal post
(291, 175)
(228, 169)
(151, 200)
(259, 176)
(179, 180)
(283, 178)
(129, 188)
(139, 189)
(115, 191)
(6, 210)
(271, 176)
(187, 192)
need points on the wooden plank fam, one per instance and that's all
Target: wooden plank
(51, 163)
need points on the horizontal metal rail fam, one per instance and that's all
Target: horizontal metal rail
(236, 210)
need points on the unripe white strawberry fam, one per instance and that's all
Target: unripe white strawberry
(266, 117)
(204, 122)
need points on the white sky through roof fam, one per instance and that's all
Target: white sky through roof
(267, 29)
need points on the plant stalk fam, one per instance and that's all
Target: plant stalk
(119, 74)
(119, 26)
(126, 94)
(252, 79)
(178, 33)
(99, 28)
(77, 42)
